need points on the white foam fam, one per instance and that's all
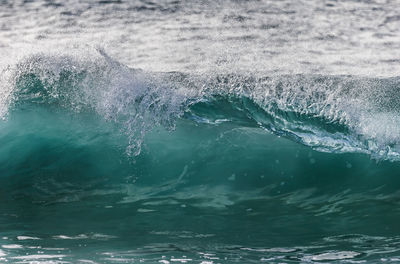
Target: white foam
(335, 255)
(12, 246)
(27, 238)
(39, 256)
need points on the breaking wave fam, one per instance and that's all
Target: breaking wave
(336, 114)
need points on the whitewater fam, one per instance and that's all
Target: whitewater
(199, 132)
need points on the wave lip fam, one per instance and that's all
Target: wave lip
(336, 114)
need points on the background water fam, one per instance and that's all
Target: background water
(199, 131)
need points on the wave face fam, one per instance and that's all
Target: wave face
(100, 162)
(336, 114)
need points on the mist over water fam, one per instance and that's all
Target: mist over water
(199, 132)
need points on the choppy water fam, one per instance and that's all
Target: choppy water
(199, 132)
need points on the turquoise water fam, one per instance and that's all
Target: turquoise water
(218, 178)
(199, 131)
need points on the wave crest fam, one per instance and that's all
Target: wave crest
(328, 113)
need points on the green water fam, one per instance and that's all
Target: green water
(201, 193)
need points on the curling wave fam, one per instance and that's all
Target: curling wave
(328, 113)
(287, 158)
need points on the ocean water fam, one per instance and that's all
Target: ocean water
(200, 131)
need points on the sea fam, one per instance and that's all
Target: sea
(199, 131)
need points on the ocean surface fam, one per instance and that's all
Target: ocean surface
(201, 132)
